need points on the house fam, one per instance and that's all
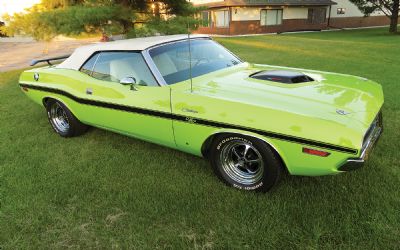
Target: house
(236, 17)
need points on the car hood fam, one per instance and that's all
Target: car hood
(332, 96)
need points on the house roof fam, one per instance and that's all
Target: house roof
(230, 3)
(81, 54)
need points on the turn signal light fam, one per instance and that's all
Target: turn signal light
(315, 152)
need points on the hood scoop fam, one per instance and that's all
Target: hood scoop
(282, 76)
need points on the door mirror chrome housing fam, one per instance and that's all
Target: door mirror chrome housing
(131, 81)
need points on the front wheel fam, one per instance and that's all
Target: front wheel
(62, 120)
(245, 162)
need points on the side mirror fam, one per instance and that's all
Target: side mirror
(131, 81)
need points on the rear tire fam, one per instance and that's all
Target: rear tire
(245, 162)
(62, 120)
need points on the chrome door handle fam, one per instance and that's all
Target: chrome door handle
(189, 110)
(89, 91)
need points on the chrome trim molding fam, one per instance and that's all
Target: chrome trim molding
(153, 68)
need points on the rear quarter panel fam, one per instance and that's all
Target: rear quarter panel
(75, 83)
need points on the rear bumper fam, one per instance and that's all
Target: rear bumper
(356, 163)
(352, 164)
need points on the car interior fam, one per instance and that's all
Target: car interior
(114, 66)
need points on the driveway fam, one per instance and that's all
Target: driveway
(17, 53)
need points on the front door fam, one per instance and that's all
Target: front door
(143, 111)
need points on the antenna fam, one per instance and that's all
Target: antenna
(190, 59)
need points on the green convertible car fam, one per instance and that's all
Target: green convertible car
(253, 122)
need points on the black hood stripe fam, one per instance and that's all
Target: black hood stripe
(191, 119)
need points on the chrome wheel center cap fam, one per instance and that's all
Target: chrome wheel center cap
(242, 162)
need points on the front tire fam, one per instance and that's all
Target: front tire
(62, 120)
(245, 162)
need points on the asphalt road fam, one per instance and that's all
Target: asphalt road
(17, 53)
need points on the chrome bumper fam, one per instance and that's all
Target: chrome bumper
(356, 163)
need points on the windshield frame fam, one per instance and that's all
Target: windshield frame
(153, 67)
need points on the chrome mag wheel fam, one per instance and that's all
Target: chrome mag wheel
(59, 118)
(242, 162)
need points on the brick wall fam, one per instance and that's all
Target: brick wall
(355, 22)
(254, 27)
(213, 30)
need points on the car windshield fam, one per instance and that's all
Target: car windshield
(172, 60)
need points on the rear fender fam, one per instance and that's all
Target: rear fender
(46, 98)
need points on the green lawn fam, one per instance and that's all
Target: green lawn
(104, 190)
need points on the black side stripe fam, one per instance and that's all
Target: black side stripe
(99, 104)
(192, 120)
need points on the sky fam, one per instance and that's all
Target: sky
(13, 6)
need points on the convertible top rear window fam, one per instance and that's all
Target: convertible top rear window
(173, 60)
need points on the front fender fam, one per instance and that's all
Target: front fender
(207, 143)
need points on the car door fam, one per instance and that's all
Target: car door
(141, 110)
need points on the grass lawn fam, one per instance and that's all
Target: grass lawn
(104, 190)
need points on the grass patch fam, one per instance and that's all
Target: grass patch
(104, 190)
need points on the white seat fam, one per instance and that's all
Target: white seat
(120, 69)
(165, 64)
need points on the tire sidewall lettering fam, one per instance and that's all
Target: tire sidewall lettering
(248, 188)
(231, 139)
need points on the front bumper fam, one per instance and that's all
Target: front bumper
(356, 163)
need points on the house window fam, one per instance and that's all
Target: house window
(271, 17)
(205, 19)
(341, 11)
(221, 18)
(316, 15)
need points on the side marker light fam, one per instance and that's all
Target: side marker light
(311, 151)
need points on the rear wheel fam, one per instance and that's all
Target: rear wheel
(245, 162)
(62, 120)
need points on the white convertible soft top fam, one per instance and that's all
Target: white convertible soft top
(81, 54)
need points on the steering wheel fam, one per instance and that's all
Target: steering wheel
(204, 60)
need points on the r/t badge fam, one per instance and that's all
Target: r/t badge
(190, 120)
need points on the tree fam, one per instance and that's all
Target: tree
(1, 29)
(43, 24)
(72, 17)
(389, 7)
(174, 25)
(179, 7)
